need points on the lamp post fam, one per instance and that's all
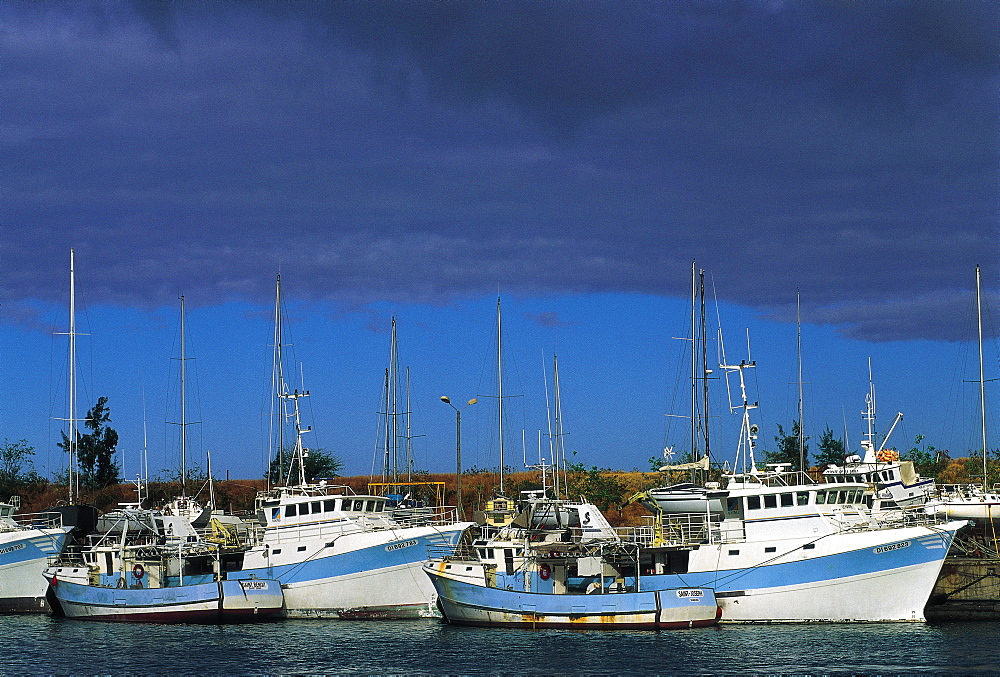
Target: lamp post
(458, 450)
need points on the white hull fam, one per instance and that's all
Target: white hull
(23, 557)
(872, 576)
(376, 574)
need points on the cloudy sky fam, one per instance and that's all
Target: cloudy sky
(418, 159)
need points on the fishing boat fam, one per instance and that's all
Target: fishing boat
(897, 483)
(559, 564)
(339, 554)
(152, 567)
(26, 543)
(786, 548)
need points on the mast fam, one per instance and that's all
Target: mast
(560, 460)
(500, 395)
(183, 409)
(694, 363)
(704, 366)
(798, 322)
(74, 477)
(982, 379)
(278, 381)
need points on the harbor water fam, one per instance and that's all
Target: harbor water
(44, 645)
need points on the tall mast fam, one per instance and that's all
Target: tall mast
(183, 409)
(393, 410)
(694, 363)
(500, 395)
(982, 379)
(798, 322)
(560, 460)
(704, 365)
(278, 381)
(73, 475)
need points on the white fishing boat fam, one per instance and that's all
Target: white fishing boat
(897, 483)
(26, 543)
(786, 548)
(152, 567)
(338, 554)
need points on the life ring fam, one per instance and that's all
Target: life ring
(544, 571)
(138, 571)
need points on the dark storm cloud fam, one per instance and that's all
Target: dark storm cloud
(422, 151)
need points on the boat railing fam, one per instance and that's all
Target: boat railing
(425, 516)
(38, 520)
(891, 519)
(676, 530)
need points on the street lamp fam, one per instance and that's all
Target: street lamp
(458, 449)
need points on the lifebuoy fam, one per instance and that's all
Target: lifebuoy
(138, 571)
(544, 571)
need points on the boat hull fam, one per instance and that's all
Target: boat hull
(214, 602)
(882, 575)
(466, 603)
(24, 555)
(367, 575)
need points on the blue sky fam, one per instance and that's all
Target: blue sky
(417, 159)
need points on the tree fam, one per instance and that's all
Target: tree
(318, 464)
(928, 460)
(16, 468)
(604, 491)
(831, 449)
(788, 447)
(95, 451)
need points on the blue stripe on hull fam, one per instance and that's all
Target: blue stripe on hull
(339, 563)
(814, 570)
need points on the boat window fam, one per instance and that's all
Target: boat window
(770, 548)
(276, 551)
(734, 552)
(802, 498)
(317, 507)
(290, 510)
(371, 506)
(770, 501)
(732, 504)
(786, 500)
(820, 497)
(329, 505)
(379, 506)
(809, 546)
(753, 502)
(302, 548)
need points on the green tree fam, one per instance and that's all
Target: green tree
(95, 451)
(830, 449)
(927, 460)
(788, 447)
(604, 491)
(319, 464)
(16, 467)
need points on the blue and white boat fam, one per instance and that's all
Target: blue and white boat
(784, 548)
(559, 564)
(27, 541)
(152, 567)
(342, 555)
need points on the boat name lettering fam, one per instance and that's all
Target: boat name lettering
(253, 585)
(398, 546)
(11, 548)
(690, 594)
(889, 548)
